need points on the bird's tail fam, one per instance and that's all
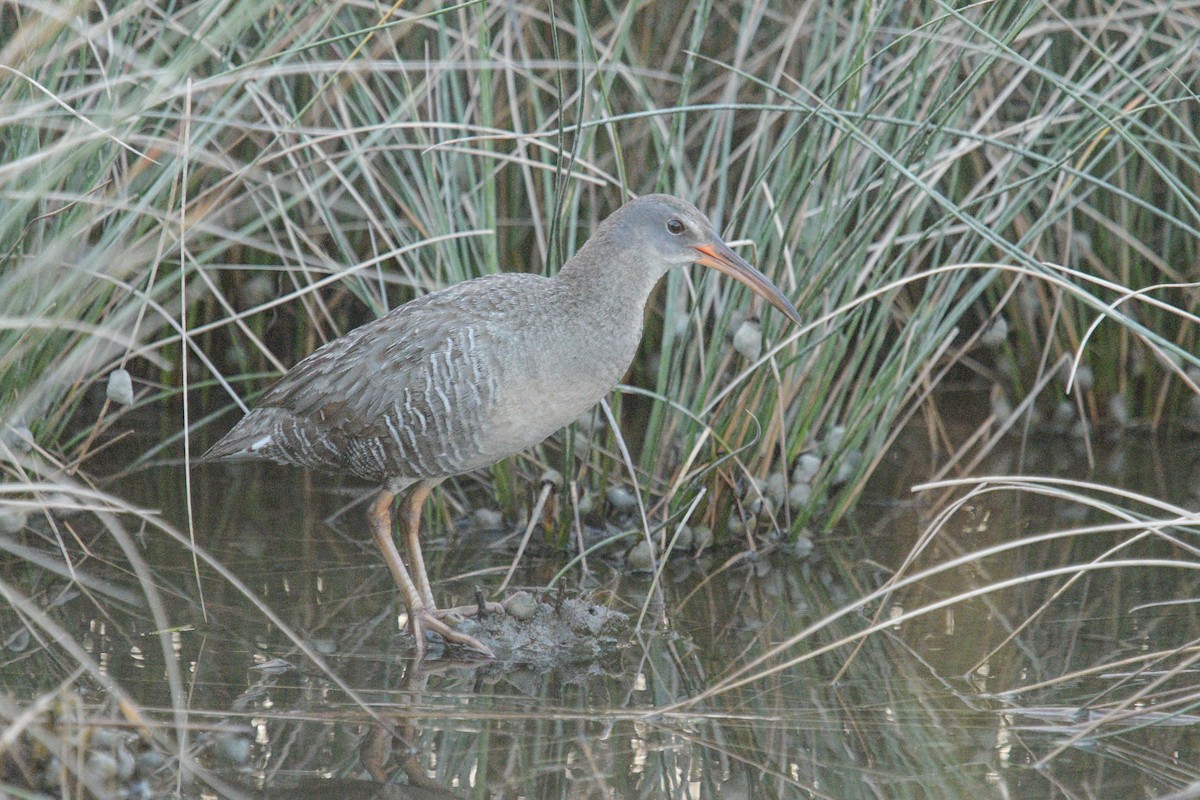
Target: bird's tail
(253, 438)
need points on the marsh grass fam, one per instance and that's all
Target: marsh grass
(1079, 638)
(203, 195)
(208, 209)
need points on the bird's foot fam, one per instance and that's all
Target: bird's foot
(473, 610)
(435, 620)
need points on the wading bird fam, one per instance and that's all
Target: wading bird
(461, 378)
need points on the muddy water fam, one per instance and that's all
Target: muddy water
(722, 686)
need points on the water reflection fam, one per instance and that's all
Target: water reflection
(958, 701)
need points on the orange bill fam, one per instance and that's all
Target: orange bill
(718, 256)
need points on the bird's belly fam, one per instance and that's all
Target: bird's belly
(540, 384)
(526, 414)
(524, 422)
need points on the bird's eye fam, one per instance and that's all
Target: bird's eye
(674, 227)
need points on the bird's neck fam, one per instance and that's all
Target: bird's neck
(602, 300)
(604, 290)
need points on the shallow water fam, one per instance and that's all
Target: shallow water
(721, 692)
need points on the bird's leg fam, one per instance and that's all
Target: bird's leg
(379, 517)
(423, 610)
(410, 519)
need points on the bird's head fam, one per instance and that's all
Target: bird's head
(672, 232)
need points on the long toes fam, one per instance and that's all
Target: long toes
(431, 621)
(490, 607)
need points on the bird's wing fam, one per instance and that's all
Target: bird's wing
(407, 356)
(408, 393)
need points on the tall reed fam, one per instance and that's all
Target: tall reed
(204, 197)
